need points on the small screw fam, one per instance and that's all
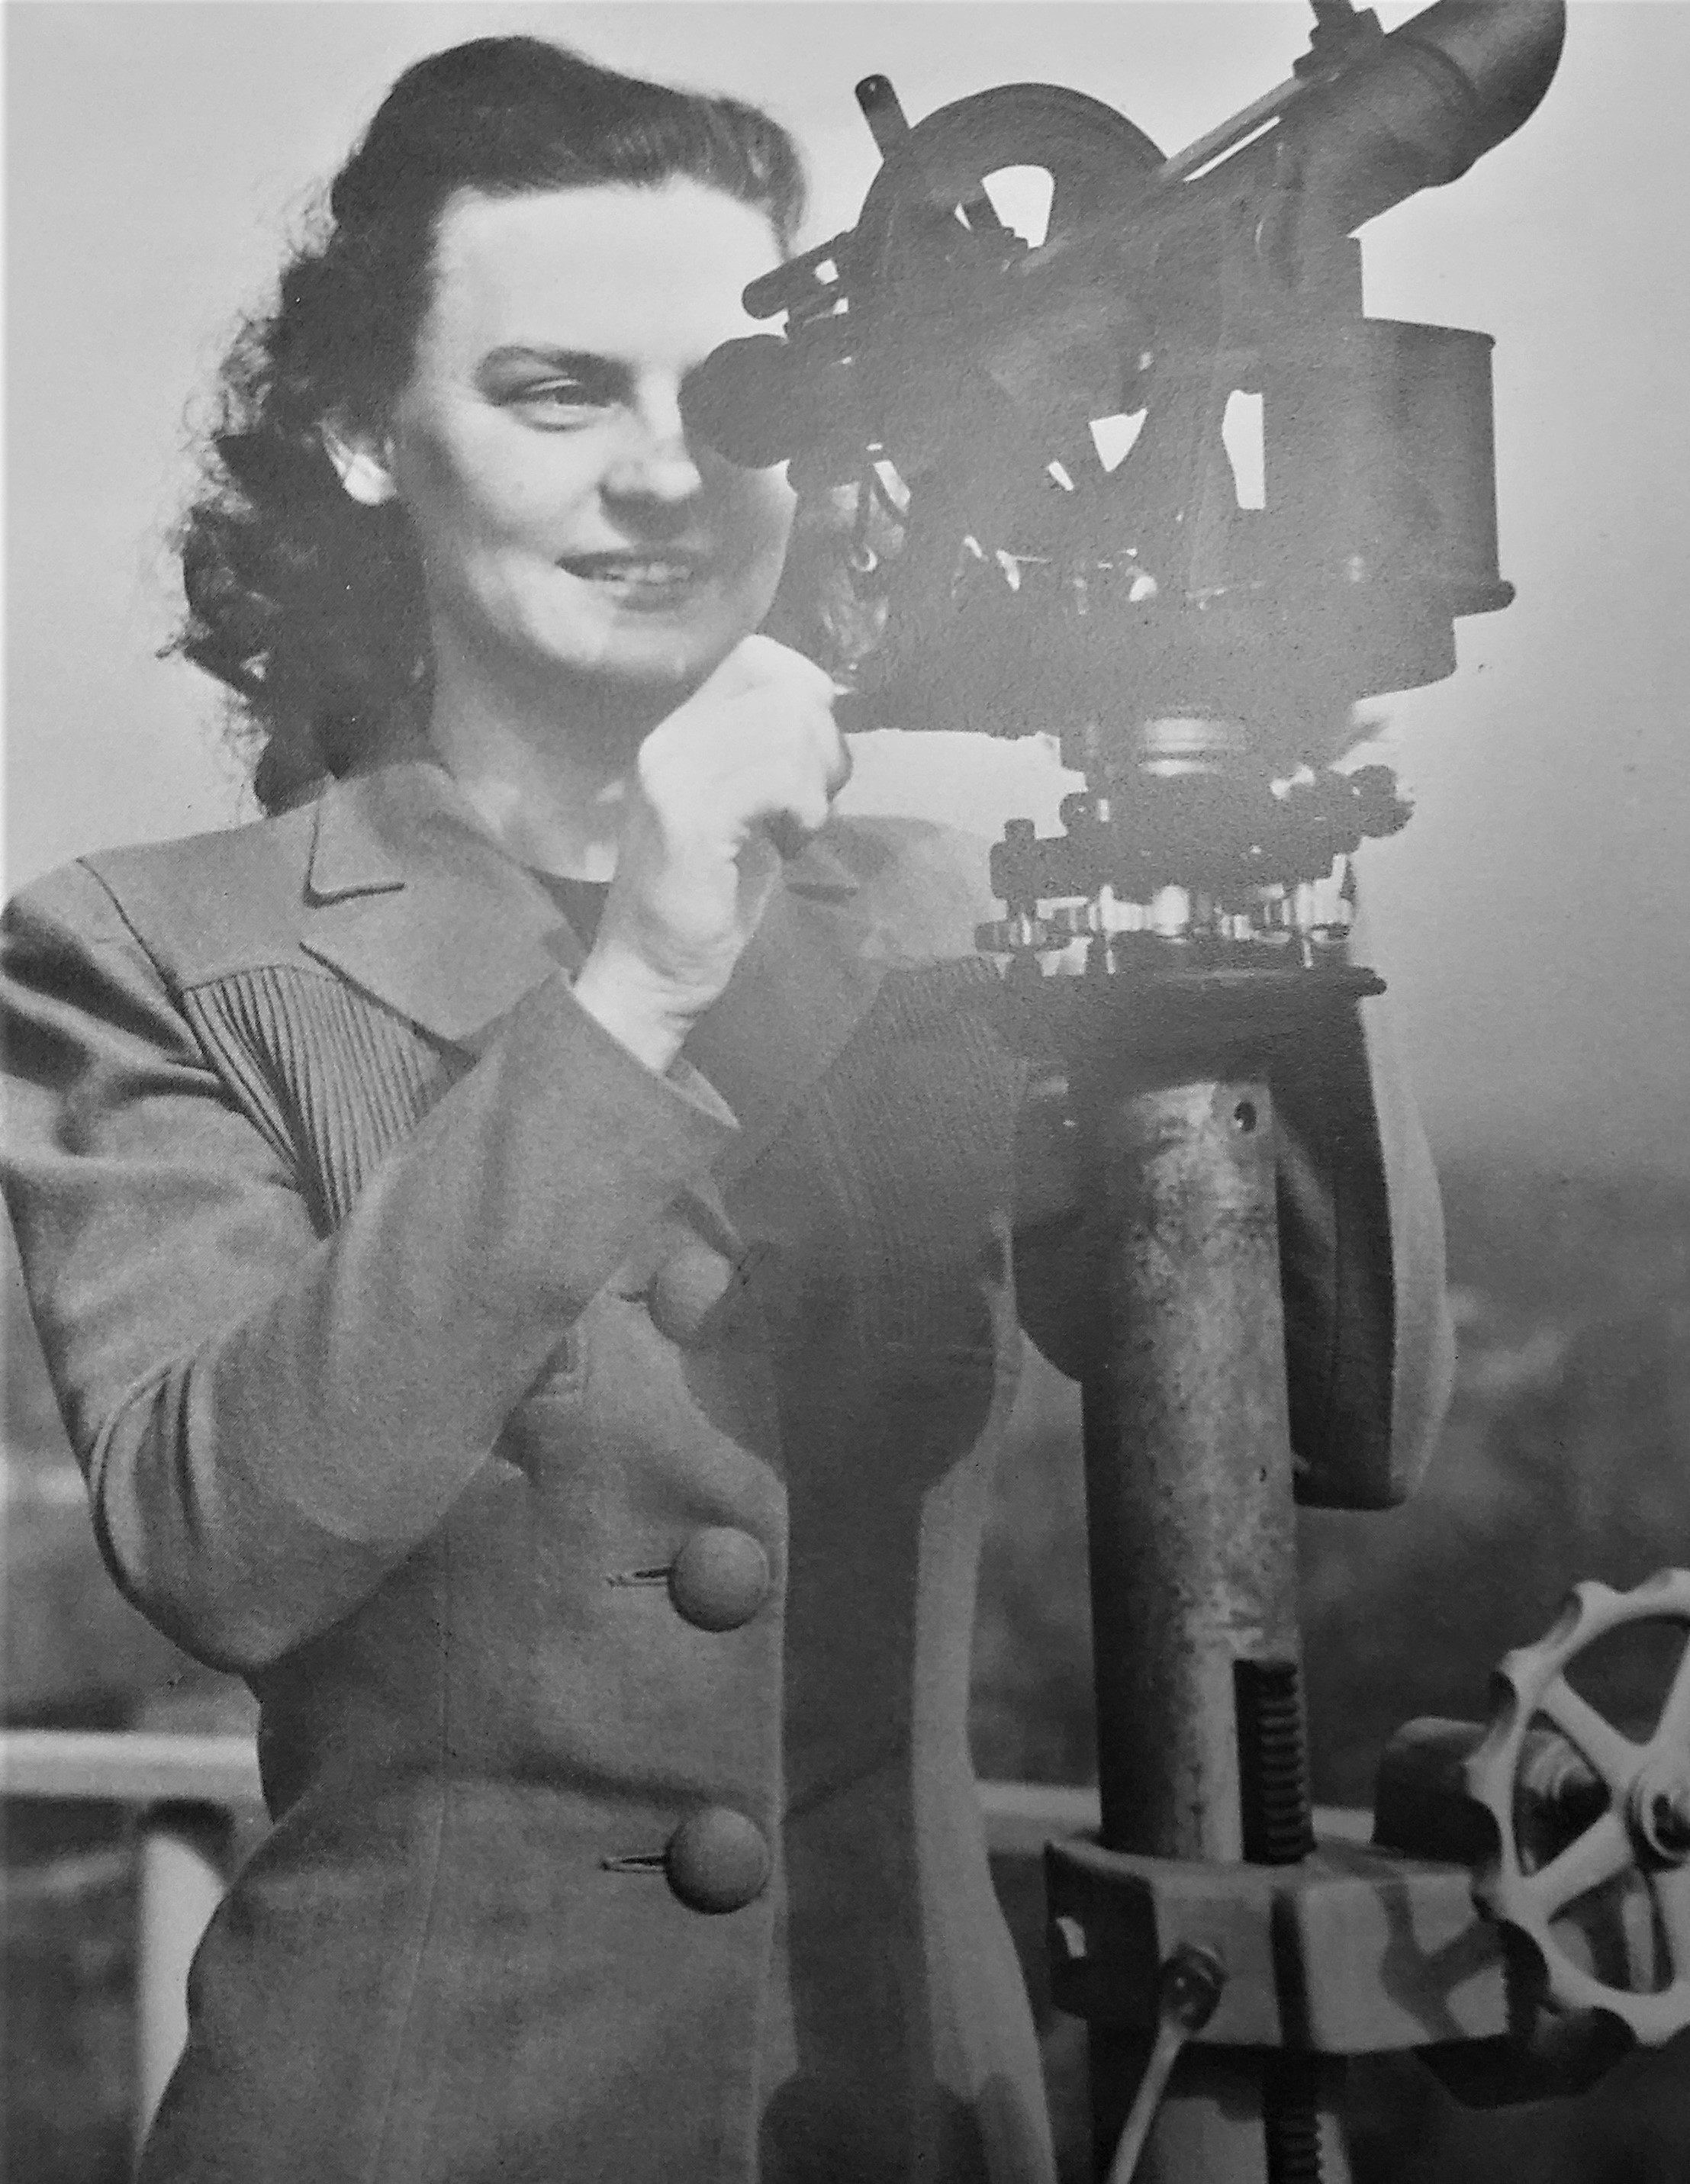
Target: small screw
(1190, 1986)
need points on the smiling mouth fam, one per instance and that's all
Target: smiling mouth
(655, 579)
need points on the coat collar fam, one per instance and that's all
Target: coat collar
(409, 898)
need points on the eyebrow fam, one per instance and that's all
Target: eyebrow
(581, 364)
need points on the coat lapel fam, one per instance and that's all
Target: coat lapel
(411, 901)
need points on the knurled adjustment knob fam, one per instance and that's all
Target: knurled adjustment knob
(1381, 808)
(1013, 936)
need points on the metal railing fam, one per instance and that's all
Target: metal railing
(189, 1790)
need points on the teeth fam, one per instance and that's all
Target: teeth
(643, 572)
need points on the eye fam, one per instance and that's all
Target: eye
(552, 390)
(557, 405)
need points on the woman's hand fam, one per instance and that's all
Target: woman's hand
(733, 781)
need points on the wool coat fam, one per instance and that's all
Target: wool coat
(586, 1468)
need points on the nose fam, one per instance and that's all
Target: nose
(652, 460)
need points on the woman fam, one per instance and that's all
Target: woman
(522, 1234)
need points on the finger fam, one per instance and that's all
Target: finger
(839, 764)
(790, 819)
(774, 740)
(759, 665)
(766, 659)
(788, 832)
(816, 775)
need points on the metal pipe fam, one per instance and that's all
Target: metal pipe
(184, 1854)
(1192, 1546)
(1416, 111)
(1188, 1459)
(129, 1767)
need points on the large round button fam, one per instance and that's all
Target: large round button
(717, 1860)
(720, 1579)
(689, 1285)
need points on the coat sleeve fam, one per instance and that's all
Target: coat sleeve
(270, 1421)
(1370, 1348)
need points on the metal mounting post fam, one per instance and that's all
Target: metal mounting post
(1193, 1573)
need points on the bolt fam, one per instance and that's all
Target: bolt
(1668, 1825)
(1190, 1986)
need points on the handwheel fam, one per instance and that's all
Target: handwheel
(1645, 1829)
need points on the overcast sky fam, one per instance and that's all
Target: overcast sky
(1534, 918)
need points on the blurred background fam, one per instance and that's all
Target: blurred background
(1531, 920)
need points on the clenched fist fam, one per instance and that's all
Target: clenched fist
(733, 781)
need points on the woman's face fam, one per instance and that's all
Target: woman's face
(569, 531)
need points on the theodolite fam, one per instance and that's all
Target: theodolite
(1156, 485)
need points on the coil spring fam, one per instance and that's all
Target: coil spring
(1291, 2121)
(1273, 1763)
(1278, 1830)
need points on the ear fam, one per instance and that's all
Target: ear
(362, 459)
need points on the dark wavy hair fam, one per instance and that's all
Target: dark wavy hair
(308, 605)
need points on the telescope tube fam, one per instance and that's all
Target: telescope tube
(1414, 112)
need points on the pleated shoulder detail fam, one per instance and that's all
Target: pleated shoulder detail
(334, 1081)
